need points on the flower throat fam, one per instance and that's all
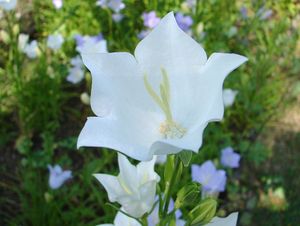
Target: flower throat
(169, 129)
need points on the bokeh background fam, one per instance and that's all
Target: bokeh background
(42, 113)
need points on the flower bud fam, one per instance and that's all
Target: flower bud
(204, 212)
(188, 194)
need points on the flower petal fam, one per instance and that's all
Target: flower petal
(117, 83)
(128, 176)
(146, 171)
(126, 136)
(208, 99)
(169, 47)
(111, 185)
(231, 220)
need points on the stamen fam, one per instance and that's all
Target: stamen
(169, 129)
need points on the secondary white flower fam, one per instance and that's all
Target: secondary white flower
(76, 62)
(8, 5)
(22, 41)
(55, 41)
(231, 220)
(134, 188)
(92, 45)
(122, 220)
(229, 96)
(32, 49)
(76, 74)
(162, 98)
(58, 176)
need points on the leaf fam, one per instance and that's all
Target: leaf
(185, 157)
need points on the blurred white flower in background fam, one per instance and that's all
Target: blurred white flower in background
(91, 44)
(31, 49)
(76, 74)
(57, 176)
(162, 99)
(229, 97)
(134, 188)
(57, 3)
(122, 220)
(230, 220)
(22, 41)
(55, 41)
(8, 5)
(85, 98)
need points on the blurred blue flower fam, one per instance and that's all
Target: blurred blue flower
(153, 218)
(244, 12)
(211, 179)
(264, 13)
(57, 3)
(115, 5)
(150, 19)
(184, 22)
(229, 158)
(58, 176)
(143, 34)
(117, 17)
(191, 3)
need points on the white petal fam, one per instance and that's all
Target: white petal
(169, 47)
(231, 220)
(208, 100)
(128, 176)
(123, 220)
(190, 141)
(146, 171)
(117, 77)
(127, 136)
(111, 185)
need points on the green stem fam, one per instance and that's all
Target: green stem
(169, 188)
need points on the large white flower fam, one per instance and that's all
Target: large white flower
(8, 5)
(161, 99)
(122, 220)
(231, 220)
(134, 188)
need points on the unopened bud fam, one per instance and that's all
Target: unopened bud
(189, 194)
(204, 212)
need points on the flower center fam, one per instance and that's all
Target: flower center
(169, 128)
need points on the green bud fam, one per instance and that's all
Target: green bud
(204, 212)
(189, 194)
(16, 29)
(4, 36)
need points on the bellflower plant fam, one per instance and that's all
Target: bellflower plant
(229, 97)
(91, 44)
(161, 99)
(184, 22)
(150, 19)
(57, 176)
(229, 158)
(31, 49)
(134, 188)
(123, 220)
(230, 220)
(8, 5)
(57, 3)
(211, 179)
(54, 42)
